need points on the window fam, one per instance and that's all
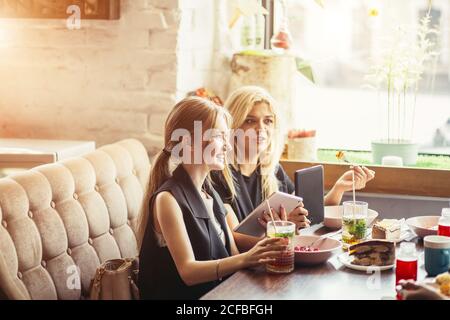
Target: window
(341, 41)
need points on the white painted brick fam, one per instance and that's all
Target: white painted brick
(162, 81)
(22, 79)
(107, 120)
(163, 41)
(153, 143)
(92, 119)
(133, 79)
(147, 20)
(120, 78)
(42, 37)
(166, 4)
(103, 37)
(162, 62)
(119, 57)
(173, 17)
(156, 123)
(126, 6)
(111, 79)
(30, 57)
(141, 101)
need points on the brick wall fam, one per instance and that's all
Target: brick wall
(110, 79)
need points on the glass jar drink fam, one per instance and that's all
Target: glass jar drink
(444, 223)
(282, 229)
(406, 264)
(354, 222)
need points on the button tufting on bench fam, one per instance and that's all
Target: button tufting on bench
(40, 221)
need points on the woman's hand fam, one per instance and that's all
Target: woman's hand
(266, 250)
(265, 217)
(410, 290)
(297, 216)
(362, 176)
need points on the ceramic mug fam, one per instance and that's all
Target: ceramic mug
(437, 254)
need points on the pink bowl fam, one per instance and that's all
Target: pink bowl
(327, 247)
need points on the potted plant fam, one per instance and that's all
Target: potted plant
(399, 72)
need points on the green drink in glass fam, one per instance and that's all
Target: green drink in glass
(354, 222)
(282, 229)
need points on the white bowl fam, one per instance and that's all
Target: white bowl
(333, 216)
(421, 226)
(326, 248)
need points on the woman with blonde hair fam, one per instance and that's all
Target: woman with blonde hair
(186, 245)
(257, 149)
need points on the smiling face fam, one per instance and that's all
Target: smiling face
(261, 121)
(215, 152)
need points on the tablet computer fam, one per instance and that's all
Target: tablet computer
(309, 186)
(251, 226)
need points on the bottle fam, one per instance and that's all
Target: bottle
(444, 223)
(248, 33)
(406, 264)
(260, 28)
(281, 40)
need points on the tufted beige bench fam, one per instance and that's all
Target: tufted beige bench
(59, 222)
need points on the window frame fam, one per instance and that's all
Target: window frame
(335, 170)
(270, 7)
(388, 180)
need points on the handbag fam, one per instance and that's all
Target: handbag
(116, 280)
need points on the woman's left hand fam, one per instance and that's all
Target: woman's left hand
(362, 176)
(297, 216)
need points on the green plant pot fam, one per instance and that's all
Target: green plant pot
(406, 150)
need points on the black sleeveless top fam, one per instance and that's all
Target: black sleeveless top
(158, 275)
(248, 189)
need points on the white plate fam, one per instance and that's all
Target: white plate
(345, 259)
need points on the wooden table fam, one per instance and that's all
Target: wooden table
(331, 280)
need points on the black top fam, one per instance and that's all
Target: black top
(158, 275)
(248, 189)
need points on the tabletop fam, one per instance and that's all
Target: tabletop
(330, 280)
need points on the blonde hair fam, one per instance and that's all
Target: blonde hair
(182, 116)
(240, 103)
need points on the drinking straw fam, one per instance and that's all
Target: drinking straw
(353, 186)
(271, 215)
(341, 156)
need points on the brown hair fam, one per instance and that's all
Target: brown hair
(182, 116)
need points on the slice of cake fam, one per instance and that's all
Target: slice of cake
(387, 229)
(373, 253)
